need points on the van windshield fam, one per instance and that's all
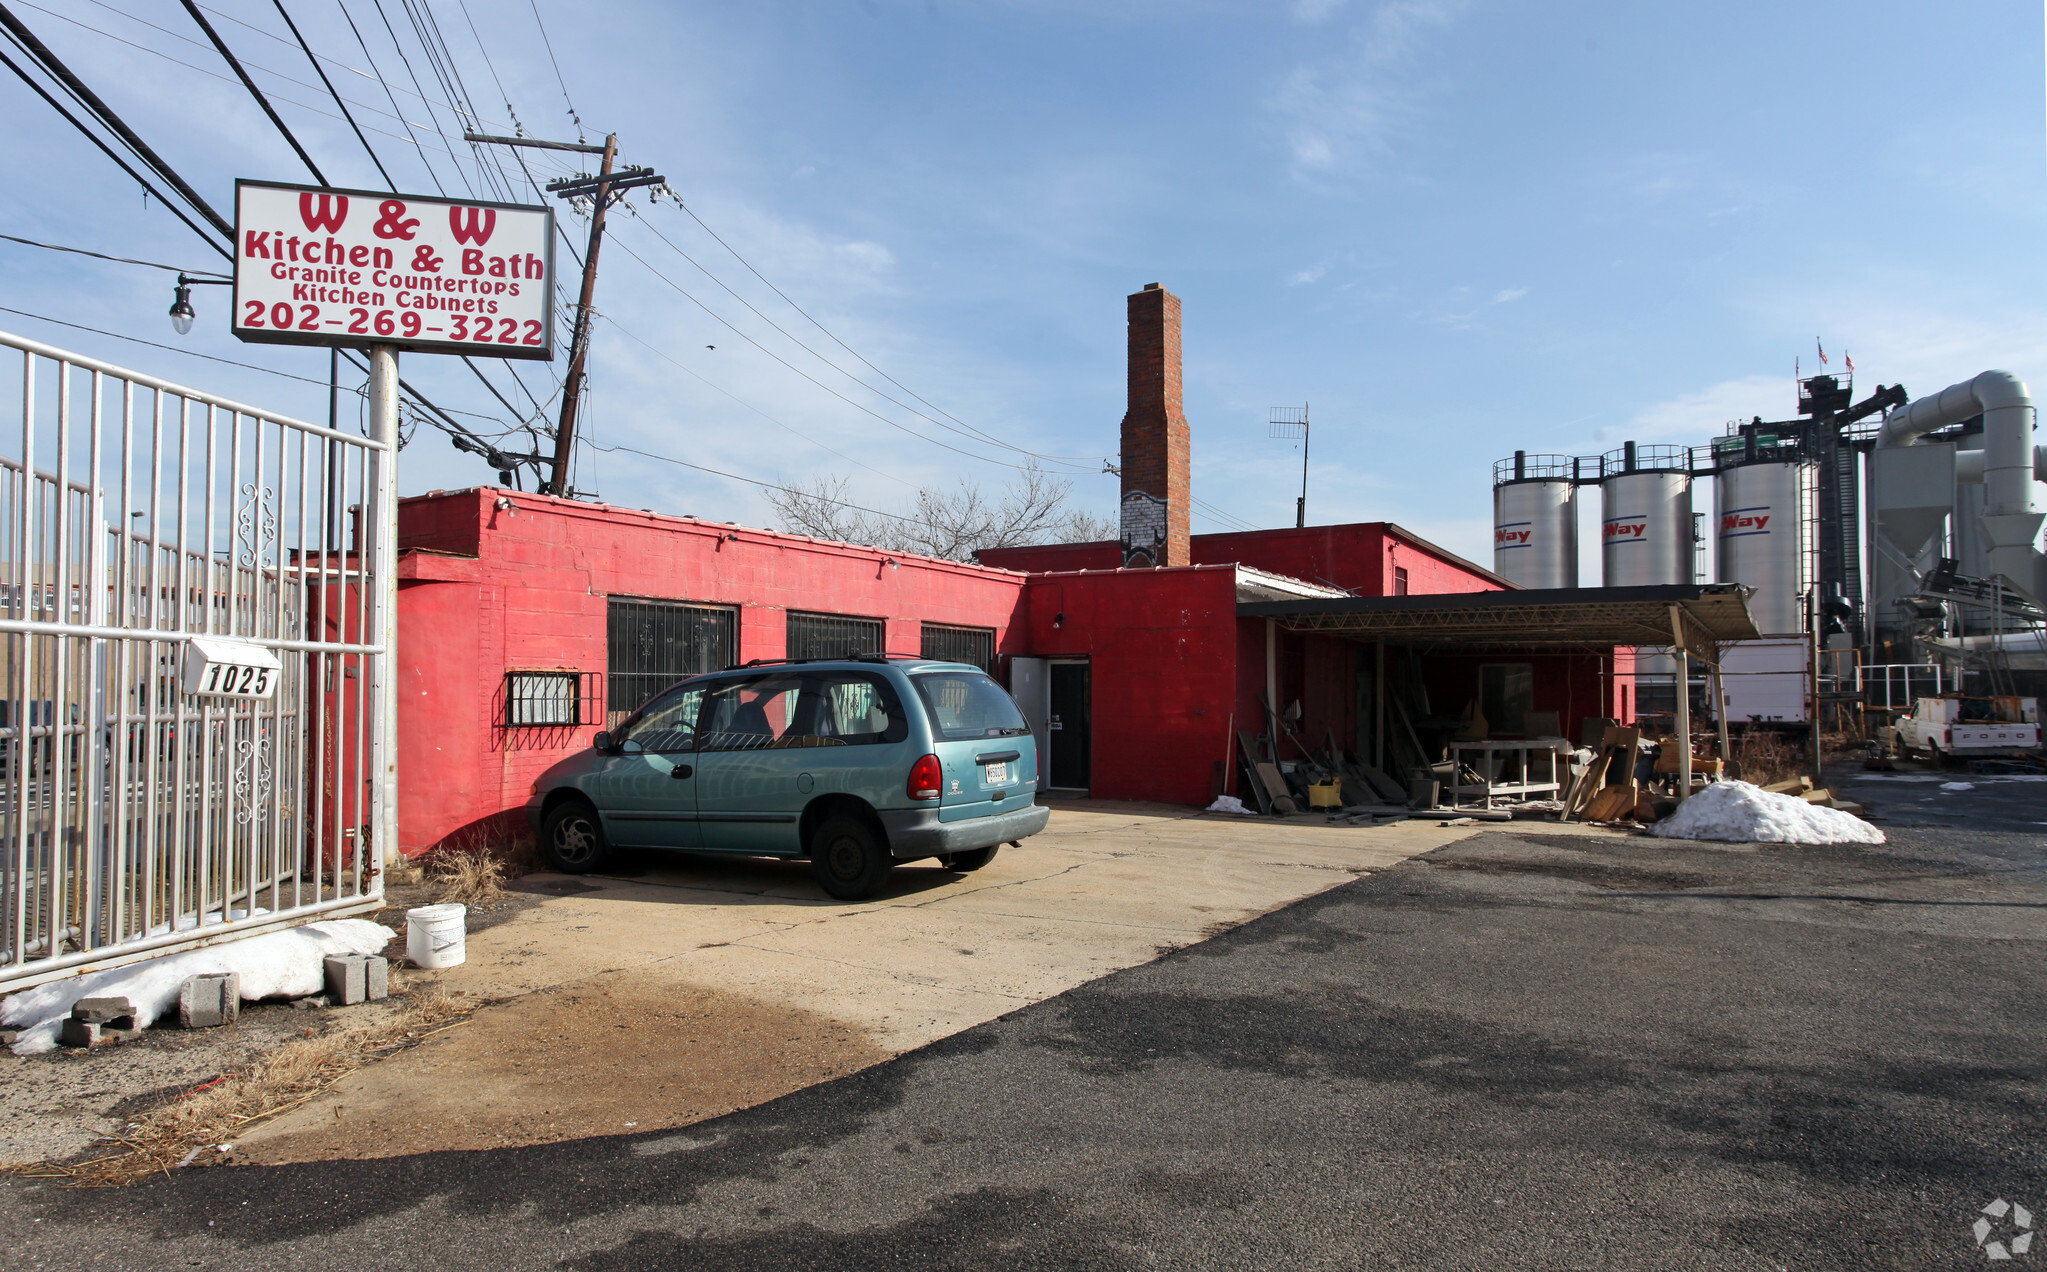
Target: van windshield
(966, 704)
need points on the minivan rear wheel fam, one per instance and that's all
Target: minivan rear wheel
(849, 859)
(573, 838)
(971, 860)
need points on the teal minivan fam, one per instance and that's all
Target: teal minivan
(855, 763)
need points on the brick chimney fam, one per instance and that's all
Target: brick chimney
(1155, 436)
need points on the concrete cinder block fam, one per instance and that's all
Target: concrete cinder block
(377, 978)
(347, 979)
(104, 1011)
(210, 1001)
(79, 1033)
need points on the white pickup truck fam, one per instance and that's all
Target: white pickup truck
(1959, 726)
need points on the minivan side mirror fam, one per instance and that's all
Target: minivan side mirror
(602, 743)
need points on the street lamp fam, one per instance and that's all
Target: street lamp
(182, 313)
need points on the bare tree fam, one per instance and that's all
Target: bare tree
(952, 524)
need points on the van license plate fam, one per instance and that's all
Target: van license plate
(997, 772)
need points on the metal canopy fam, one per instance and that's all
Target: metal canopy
(1697, 617)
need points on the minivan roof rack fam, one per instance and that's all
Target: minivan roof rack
(866, 658)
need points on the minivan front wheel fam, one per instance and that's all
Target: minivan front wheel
(573, 839)
(849, 859)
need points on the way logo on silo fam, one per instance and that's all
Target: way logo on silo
(1741, 521)
(1626, 528)
(1511, 536)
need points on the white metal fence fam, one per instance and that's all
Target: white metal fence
(1898, 686)
(135, 819)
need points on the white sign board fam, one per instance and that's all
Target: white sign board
(228, 669)
(317, 266)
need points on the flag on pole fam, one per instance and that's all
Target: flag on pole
(1848, 361)
(1822, 349)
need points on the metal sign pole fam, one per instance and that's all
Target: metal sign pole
(381, 525)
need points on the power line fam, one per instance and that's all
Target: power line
(557, 68)
(125, 260)
(246, 366)
(841, 343)
(861, 407)
(748, 405)
(331, 92)
(254, 92)
(49, 61)
(753, 481)
(967, 431)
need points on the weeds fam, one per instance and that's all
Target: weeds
(1764, 756)
(472, 867)
(212, 1116)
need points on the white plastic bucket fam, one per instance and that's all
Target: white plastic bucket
(435, 935)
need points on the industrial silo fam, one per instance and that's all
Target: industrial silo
(1645, 503)
(1535, 520)
(1760, 530)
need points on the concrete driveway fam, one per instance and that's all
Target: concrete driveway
(698, 986)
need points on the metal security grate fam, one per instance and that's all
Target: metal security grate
(975, 645)
(832, 635)
(550, 699)
(650, 645)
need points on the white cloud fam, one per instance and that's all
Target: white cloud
(1701, 415)
(1312, 274)
(1355, 102)
(1508, 295)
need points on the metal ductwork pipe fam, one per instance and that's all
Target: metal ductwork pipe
(2011, 520)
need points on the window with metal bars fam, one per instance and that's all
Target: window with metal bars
(832, 635)
(649, 645)
(547, 699)
(975, 645)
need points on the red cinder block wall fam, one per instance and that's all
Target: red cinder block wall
(494, 581)
(1162, 646)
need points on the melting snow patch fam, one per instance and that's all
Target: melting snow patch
(1736, 812)
(1958, 786)
(274, 965)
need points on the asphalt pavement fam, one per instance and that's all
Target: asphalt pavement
(1516, 1051)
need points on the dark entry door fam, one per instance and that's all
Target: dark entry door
(1068, 729)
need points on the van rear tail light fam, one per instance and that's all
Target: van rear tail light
(925, 778)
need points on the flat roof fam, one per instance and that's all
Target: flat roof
(1706, 614)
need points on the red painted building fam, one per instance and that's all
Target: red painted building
(527, 623)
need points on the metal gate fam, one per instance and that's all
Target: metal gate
(135, 818)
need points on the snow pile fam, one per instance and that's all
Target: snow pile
(274, 965)
(1736, 812)
(1230, 804)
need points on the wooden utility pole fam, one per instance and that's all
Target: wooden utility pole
(579, 346)
(609, 183)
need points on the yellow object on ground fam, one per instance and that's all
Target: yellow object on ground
(1325, 795)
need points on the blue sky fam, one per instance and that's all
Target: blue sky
(1454, 228)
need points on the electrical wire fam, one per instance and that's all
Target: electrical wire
(406, 62)
(970, 433)
(334, 93)
(754, 481)
(691, 212)
(750, 406)
(557, 68)
(144, 48)
(115, 335)
(228, 55)
(40, 53)
(861, 407)
(125, 260)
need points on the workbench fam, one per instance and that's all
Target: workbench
(1520, 777)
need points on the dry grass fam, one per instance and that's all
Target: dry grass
(1762, 756)
(474, 866)
(193, 1127)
